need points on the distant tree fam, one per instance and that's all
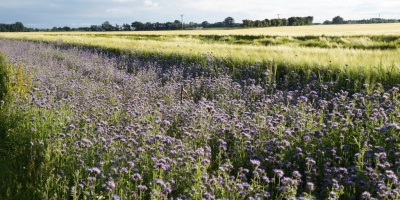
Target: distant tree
(94, 28)
(149, 26)
(126, 27)
(116, 27)
(258, 23)
(168, 26)
(106, 26)
(337, 20)
(19, 27)
(205, 24)
(191, 25)
(176, 25)
(284, 22)
(3, 28)
(229, 22)
(247, 23)
(327, 22)
(16, 27)
(218, 24)
(275, 22)
(309, 20)
(159, 26)
(66, 28)
(301, 21)
(137, 26)
(292, 21)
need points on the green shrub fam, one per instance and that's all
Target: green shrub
(3, 77)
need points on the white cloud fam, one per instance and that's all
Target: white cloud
(149, 3)
(118, 11)
(123, 1)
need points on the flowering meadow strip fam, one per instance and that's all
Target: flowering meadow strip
(92, 130)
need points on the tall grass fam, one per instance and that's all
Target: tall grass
(349, 56)
(23, 128)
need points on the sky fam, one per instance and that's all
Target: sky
(83, 13)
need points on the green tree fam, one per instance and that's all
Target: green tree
(293, 21)
(247, 23)
(149, 26)
(205, 24)
(66, 28)
(267, 22)
(284, 22)
(126, 27)
(176, 25)
(137, 26)
(168, 26)
(337, 20)
(106, 26)
(3, 28)
(229, 22)
(309, 20)
(19, 27)
(327, 22)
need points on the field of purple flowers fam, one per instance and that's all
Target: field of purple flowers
(98, 126)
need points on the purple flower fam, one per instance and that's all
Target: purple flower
(239, 186)
(115, 197)
(87, 141)
(310, 161)
(125, 170)
(310, 186)
(94, 170)
(296, 174)
(111, 184)
(142, 187)
(302, 99)
(167, 190)
(265, 179)
(255, 163)
(365, 195)
(278, 173)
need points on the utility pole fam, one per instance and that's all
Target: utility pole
(182, 20)
(278, 15)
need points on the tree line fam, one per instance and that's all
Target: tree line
(16, 27)
(340, 20)
(292, 21)
(148, 26)
(228, 22)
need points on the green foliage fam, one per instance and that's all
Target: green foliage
(3, 78)
(337, 20)
(229, 22)
(19, 160)
(16, 27)
(292, 21)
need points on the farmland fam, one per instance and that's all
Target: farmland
(270, 113)
(368, 49)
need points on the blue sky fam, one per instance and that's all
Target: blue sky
(79, 13)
